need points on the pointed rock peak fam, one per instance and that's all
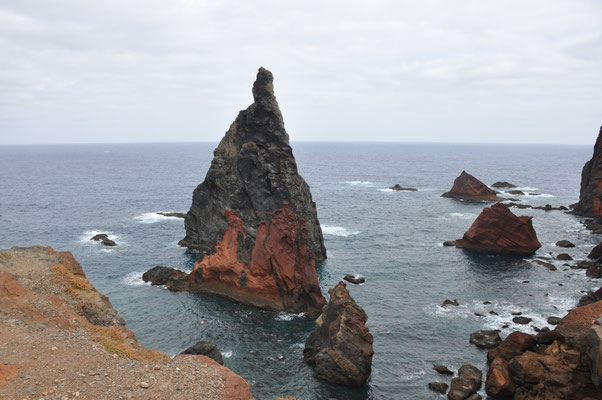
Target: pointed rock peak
(263, 88)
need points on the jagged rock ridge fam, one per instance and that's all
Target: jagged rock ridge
(253, 172)
(590, 196)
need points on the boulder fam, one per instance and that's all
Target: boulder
(340, 348)
(594, 272)
(513, 345)
(206, 349)
(564, 257)
(596, 252)
(545, 264)
(354, 280)
(498, 231)
(554, 320)
(503, 184)
(161, 275)
(499, 383)
(564, 243)
(590, 196)
(253, 172)
(467, 383)
(521, 320)
(442, 369)
(398, 187)
(448, 302)
(467, 187)
(590, 297)
(485, 339)
(439, 387)
(104, 239)
(516, 192)
(575, 325)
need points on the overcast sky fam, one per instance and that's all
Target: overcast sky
(78, 71)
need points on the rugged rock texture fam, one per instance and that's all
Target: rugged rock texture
(596, 252)
(563, 365)
(466, 384)
(498, 231)
(340, 349)
(485, 339)
(104, 239)
(503, 184)
(53, 348)
(467, 187)
(590, 197)
(206, 349)
(276, 270)
(253, 172)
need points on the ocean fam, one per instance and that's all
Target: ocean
(61, 195)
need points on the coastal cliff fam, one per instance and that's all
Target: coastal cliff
(253, 172)
(590, 196)
(61, 338)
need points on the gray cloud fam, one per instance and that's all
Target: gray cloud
(126, 71)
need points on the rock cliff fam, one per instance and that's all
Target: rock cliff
(340, 349)
(253, 171)
(590, 196)
(498, 231)
(61, 338)
(467, 187)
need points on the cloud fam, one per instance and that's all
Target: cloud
(489, 71)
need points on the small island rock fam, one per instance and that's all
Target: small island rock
(467, 187)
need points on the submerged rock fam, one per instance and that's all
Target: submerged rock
(503, 184)
(253, 172)
(485, 339)
(206, 349)
(498, 231)
(564, 244)
(442, 369)
(448, 302)
(340, 348)
(467, 187)
(590, 196)
(398, 187)
(354, 280)
(104, 239)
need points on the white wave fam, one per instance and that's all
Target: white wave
(539, 195)
(359, 183)
(284, 316)
(134, 279)
(386, 190)
(525, 189)
(227, 354)
(337, 231)
(153, 217)
(462, 216)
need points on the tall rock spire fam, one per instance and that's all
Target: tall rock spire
(590, 197)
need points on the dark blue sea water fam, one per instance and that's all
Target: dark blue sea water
(61, 195)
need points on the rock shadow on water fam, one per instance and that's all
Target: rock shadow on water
(495, 264)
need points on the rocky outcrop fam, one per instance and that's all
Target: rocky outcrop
(104, 239)
(503, 184)
(274, 270)
(466, 384)
(54, 348)
(498, 231)
(253, 172)
(485, 339)
(340, 348)
(467, 187)
(206, 349)
(397, 187)
(590, 196)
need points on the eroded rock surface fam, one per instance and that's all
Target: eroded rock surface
(467, 187)
(253, 172)
(590, 196)
(340, 349)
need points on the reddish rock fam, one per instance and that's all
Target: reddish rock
(513, 345)
(590, 196)
(340, 349)
(499, 383)
(593, 343)
(498, 231)
(574, 326)
(467, 187)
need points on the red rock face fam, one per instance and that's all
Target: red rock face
(590, 197)
(498, 231)
(468, 187)
(280, 272)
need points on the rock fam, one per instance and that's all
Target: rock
(521, 320)
(475, 396)
(498, 231)
(485, 339)
(144, 385)
(594, 272)
(104, 239)
(160, 275)
(468, 382)
(449, 243)
(553, 320)
(206, 349)
(467, 187)
(548, 265)
(593, 345)
(503, 184)
(499, 383)
(590, 196)
(584, 264)
(513, 345)
(340, 348)
(564, 243)
(448, 302)
(590, 297)
(547, 337)
(353, 279)
(398, 187)
(564, 257)
(575, 325)
(253, 173)
(442, 369)
(516, 192)
(596, 252)
(486, 302)
(172, 214)
(440, 387)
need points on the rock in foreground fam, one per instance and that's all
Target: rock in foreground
(498, 231)
(253, 172)
(340, 349)
(590, 196)
(467, 187)
(466, 384)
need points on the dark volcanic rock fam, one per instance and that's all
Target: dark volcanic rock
(594, 272)
(340, 349)
(354, 280)
(503, 184)
(253, 172)
(564, 257)
(467, 383)
(485, 339)
(440, 387)
(442, 369)
(517, 192)
(553, 320)
(206, 349)
(590, 297)
(448, 302)
(548, 265)
(173, 279)
(467, 187)
(498, 231)
(564, 243)
(590, 196)
(172, 214)
(521, 320)
(104, 238)
(596, 252)
(398, 187)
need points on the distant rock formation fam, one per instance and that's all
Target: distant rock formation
(398, 188)
(340, 349)
(467, 187)
(104, 239)
(498, 231)
(253, 172)
(275, 270)
(590, 197)
(503, 184)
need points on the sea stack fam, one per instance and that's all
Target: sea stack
(340, 349)
(253, 219)
(498, 231)
(467, 187)
(590, 197)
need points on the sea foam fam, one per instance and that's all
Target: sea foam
(153, 217)
(337, 231)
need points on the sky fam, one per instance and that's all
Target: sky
(113, 71)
